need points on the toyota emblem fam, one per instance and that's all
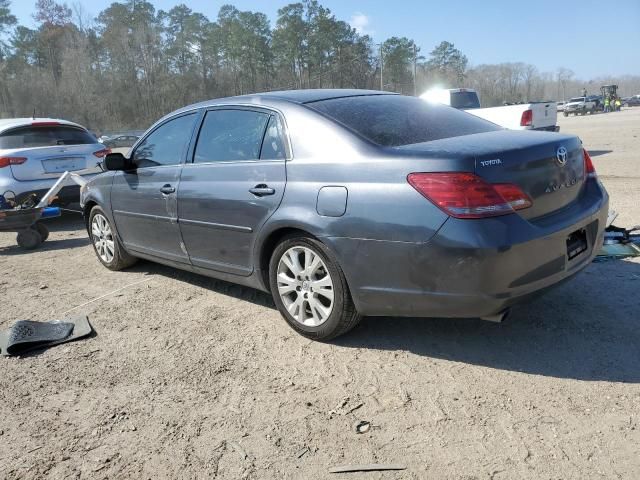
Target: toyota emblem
(561, 156)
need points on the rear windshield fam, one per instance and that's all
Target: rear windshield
(45, 136)
(395, 120)
(464, 100)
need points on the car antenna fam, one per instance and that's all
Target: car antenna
(34, 113)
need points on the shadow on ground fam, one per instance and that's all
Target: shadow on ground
(219, 286)
(47, 246)
(586, 329)
(68, 222)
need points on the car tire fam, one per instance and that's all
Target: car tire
(29, 239)
(323, 314)
(42, 230)
(566, 114)
(105, 242)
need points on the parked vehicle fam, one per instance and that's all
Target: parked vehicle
(34, 152)
(598, 100)
(632, 101)
(524, 116)
(580, 106)
(344, 203)
(560, 106)
(121, 141)
(122, 133)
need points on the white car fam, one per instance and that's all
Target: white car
(524, 116)
(34, 152)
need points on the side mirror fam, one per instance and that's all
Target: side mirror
(117, 161)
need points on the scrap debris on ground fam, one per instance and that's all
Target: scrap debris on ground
(26, 335)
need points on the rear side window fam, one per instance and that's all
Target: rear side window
(464, 100)
(273, 144)
(45, 136)
(395, 120)
(231, 135)
(166, 145)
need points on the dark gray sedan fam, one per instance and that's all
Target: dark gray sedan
(346, 203)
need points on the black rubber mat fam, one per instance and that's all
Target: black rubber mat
(26, 335)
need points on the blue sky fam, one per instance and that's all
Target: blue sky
(547, 33)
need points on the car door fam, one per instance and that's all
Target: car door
(144, 201)
(232, 186)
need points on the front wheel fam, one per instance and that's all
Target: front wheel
(105, 242)
(566, 114)
(310, 289)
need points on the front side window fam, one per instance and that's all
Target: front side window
(231, 135)
(166, 144)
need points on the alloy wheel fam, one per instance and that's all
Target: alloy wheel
(102, 237)
(305, 286)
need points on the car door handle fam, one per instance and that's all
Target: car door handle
(167, 189)
(262, 190)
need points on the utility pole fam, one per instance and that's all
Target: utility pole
(415, 70)
(381, 68)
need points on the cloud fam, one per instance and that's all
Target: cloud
(361, 23)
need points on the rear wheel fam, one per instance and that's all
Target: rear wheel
(566, 114)
(106, 244)
(310, 289)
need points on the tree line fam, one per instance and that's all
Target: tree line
(132, 63)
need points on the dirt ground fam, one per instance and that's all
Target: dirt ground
(189, 377)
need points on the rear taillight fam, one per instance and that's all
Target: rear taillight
(6, 161)
(466, 195)
(527, 118)
(589, 169)
(102, 153)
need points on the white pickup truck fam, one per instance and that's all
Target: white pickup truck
(525, 116)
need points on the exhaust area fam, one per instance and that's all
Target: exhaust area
(497, 318)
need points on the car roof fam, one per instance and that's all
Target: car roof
(311, 95)
(276, 98)
(8, 123)
(291, 96)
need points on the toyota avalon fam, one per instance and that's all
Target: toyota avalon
(352, 203)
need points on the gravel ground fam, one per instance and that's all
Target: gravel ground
(189, 377)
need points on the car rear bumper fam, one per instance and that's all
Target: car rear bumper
(550, 128)
(472, 268)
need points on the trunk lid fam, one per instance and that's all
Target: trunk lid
(530, 160)
(548, 167)
(51, 162)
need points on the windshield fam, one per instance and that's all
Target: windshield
(45, 136)
(577, 99)
(395, 120)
